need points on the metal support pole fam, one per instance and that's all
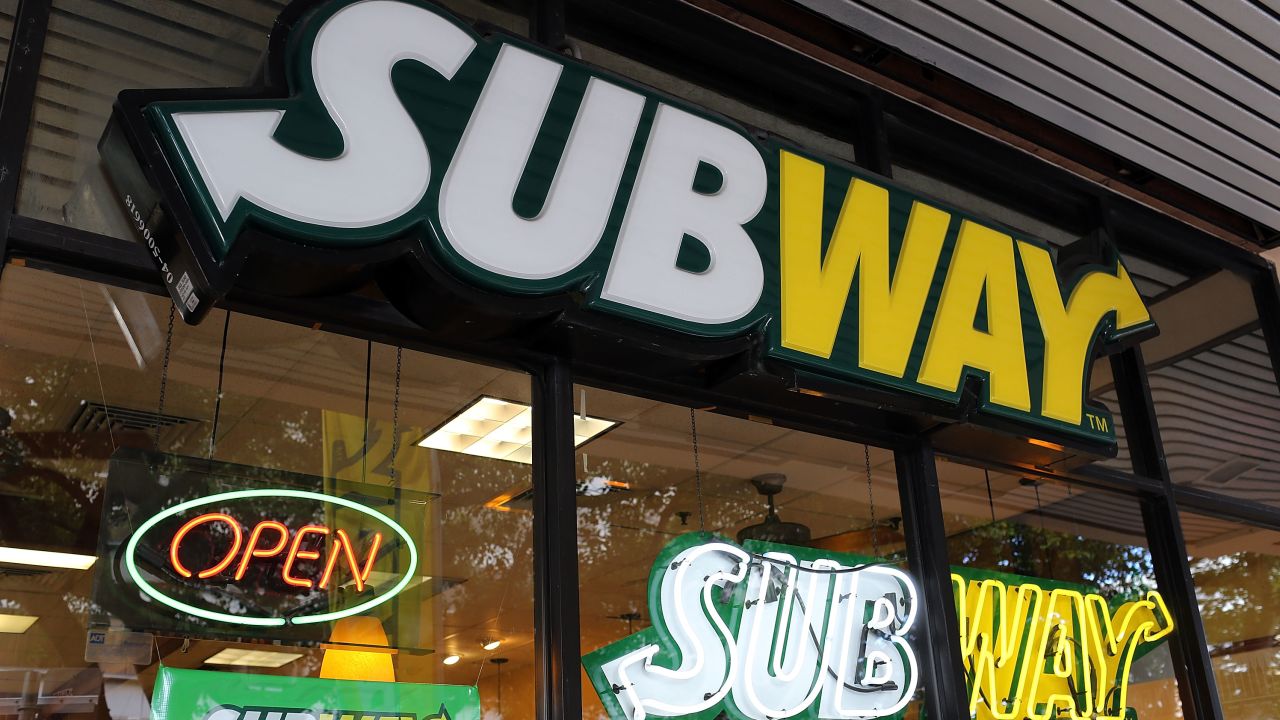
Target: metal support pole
(546, 23)
(1197, 687)
(870, 137)
(558, 689)
(29, 701)
(1266, 294)
(17, 98)
(946, 697)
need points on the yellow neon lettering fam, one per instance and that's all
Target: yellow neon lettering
(1069, 328)
(815, 288)
(1114, 640)
(994, 622)
(1043, 655)
(983, 262)
(1056, 664)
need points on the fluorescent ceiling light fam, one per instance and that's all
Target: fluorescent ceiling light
(252, 658)
(16, 624)
(502, 430)
(45, 558)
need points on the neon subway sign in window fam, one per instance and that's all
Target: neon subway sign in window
(311, 557)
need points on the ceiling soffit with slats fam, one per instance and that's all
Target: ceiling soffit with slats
(1190, 91)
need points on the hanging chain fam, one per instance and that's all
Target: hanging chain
(368, 382)
(697, 470)
(1046, 567)
(1075, 528)
(1039, 507)
(990, 500)
(395, 418)
(164, 378)
(217, 398)
(871, 502)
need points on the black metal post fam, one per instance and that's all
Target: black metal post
(1266, 294)
(871, 137)
(558, 689)
(946, 696)
(546, 23)
(1197, 687)
(17, 98)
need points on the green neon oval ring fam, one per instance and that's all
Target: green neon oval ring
(131, 564)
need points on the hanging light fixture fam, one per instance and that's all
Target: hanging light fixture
(370, 662)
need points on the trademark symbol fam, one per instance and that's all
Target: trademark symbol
(1097, 422)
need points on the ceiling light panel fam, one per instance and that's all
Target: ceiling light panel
(45, 558)
(503, 430)
(16, 624)
(252, 658)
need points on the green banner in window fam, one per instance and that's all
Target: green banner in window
(204, 695)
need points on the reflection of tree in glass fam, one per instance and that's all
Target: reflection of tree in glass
(1117, 571)
(291, 443)
(53, 498)
(641, 508)
(1237, 596)
(488, 547)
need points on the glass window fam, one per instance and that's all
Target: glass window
(95, 49)
(1236, 569)
(80, 394)
(647, 487)
(1219, 413)
(1070, 556)
(1214, 389)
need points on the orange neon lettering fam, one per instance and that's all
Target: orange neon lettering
(191, 524)
(373, 555)
(346, 548)
(334, 551)
(286, 572)
(252, 551)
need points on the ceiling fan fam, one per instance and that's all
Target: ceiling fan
(774, 529)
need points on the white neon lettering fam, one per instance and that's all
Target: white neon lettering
(775, 635)
(811, 635)
(706, 647)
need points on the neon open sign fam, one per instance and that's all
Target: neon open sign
(311, 557)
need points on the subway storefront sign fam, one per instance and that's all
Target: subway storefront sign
(762, 631)
(392, 140)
